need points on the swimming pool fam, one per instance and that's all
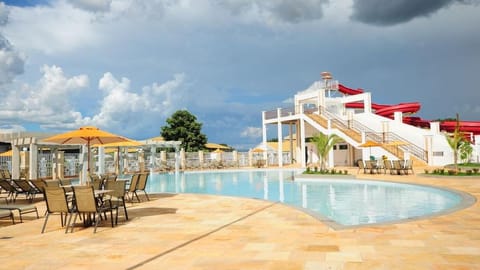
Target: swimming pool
(340, 202)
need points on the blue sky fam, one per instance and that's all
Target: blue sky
(127, 65)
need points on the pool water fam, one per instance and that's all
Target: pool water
(345, 202)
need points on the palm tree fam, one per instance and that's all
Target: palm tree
(324, 144)
(454, 142)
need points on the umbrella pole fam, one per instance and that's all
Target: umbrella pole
(88, 157)
(117, 165)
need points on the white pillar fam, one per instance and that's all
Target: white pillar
(101, 161)
(182, 159)
(280, 139)
(367, 107)
(331, 159)
(428, 147)
(264, 138)
(33, 160)
(398, 117)
(177, 160)
(83, 161)
(302, 143)
(15, 161)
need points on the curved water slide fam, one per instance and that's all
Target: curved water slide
(408, 108)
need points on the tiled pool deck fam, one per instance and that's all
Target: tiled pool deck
(209, 232)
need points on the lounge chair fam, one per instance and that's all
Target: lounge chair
(38, 184)
(56, 200)
(26, 188)
(13, 190)
(5, 173)
(87, 204)
(7, 214)
(21, 208)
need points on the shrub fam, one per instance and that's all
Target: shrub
(475, 170)
(426, 171)
(345, 172)
(469, 172)
(451, 172)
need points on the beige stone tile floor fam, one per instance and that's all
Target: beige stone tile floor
(186, 231)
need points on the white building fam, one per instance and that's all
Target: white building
(323, 108)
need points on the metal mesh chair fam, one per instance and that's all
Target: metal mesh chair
(56, 200)
(87, 204)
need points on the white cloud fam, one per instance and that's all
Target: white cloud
(11, 61)
(121, 107)
(92, 5)
(277, 11)
(252, 132)
(47, 102)
(288, 101)
(11, 129)
(52, 29)
(3, 14)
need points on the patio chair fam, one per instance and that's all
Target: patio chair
(361, 167)
(56, 200)
(388, 166)
(111, 177)
(117, 196)
(65, 182)
(96, 181)
(7, 214)
(133, 185)
(87, 204)
(26, 188)
(371, 167)
(52, 183)
(409, 165)
(21, 208)
(399, 168)
(141, 185)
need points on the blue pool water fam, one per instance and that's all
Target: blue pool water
(346, 202)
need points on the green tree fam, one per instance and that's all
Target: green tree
(183, 126)
(454, 140)
(324, 144)
(465, 150)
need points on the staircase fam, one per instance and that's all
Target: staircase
(353, 131)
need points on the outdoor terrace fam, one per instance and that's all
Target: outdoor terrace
(186, 231)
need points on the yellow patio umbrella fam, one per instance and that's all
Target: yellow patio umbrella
(216, 146)
(397, 144)
(87, 135)
(370, 144)
(8, 153)
(258, 150)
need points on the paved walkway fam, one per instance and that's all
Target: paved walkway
(210, 232)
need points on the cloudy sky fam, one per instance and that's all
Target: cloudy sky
(127, 65)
